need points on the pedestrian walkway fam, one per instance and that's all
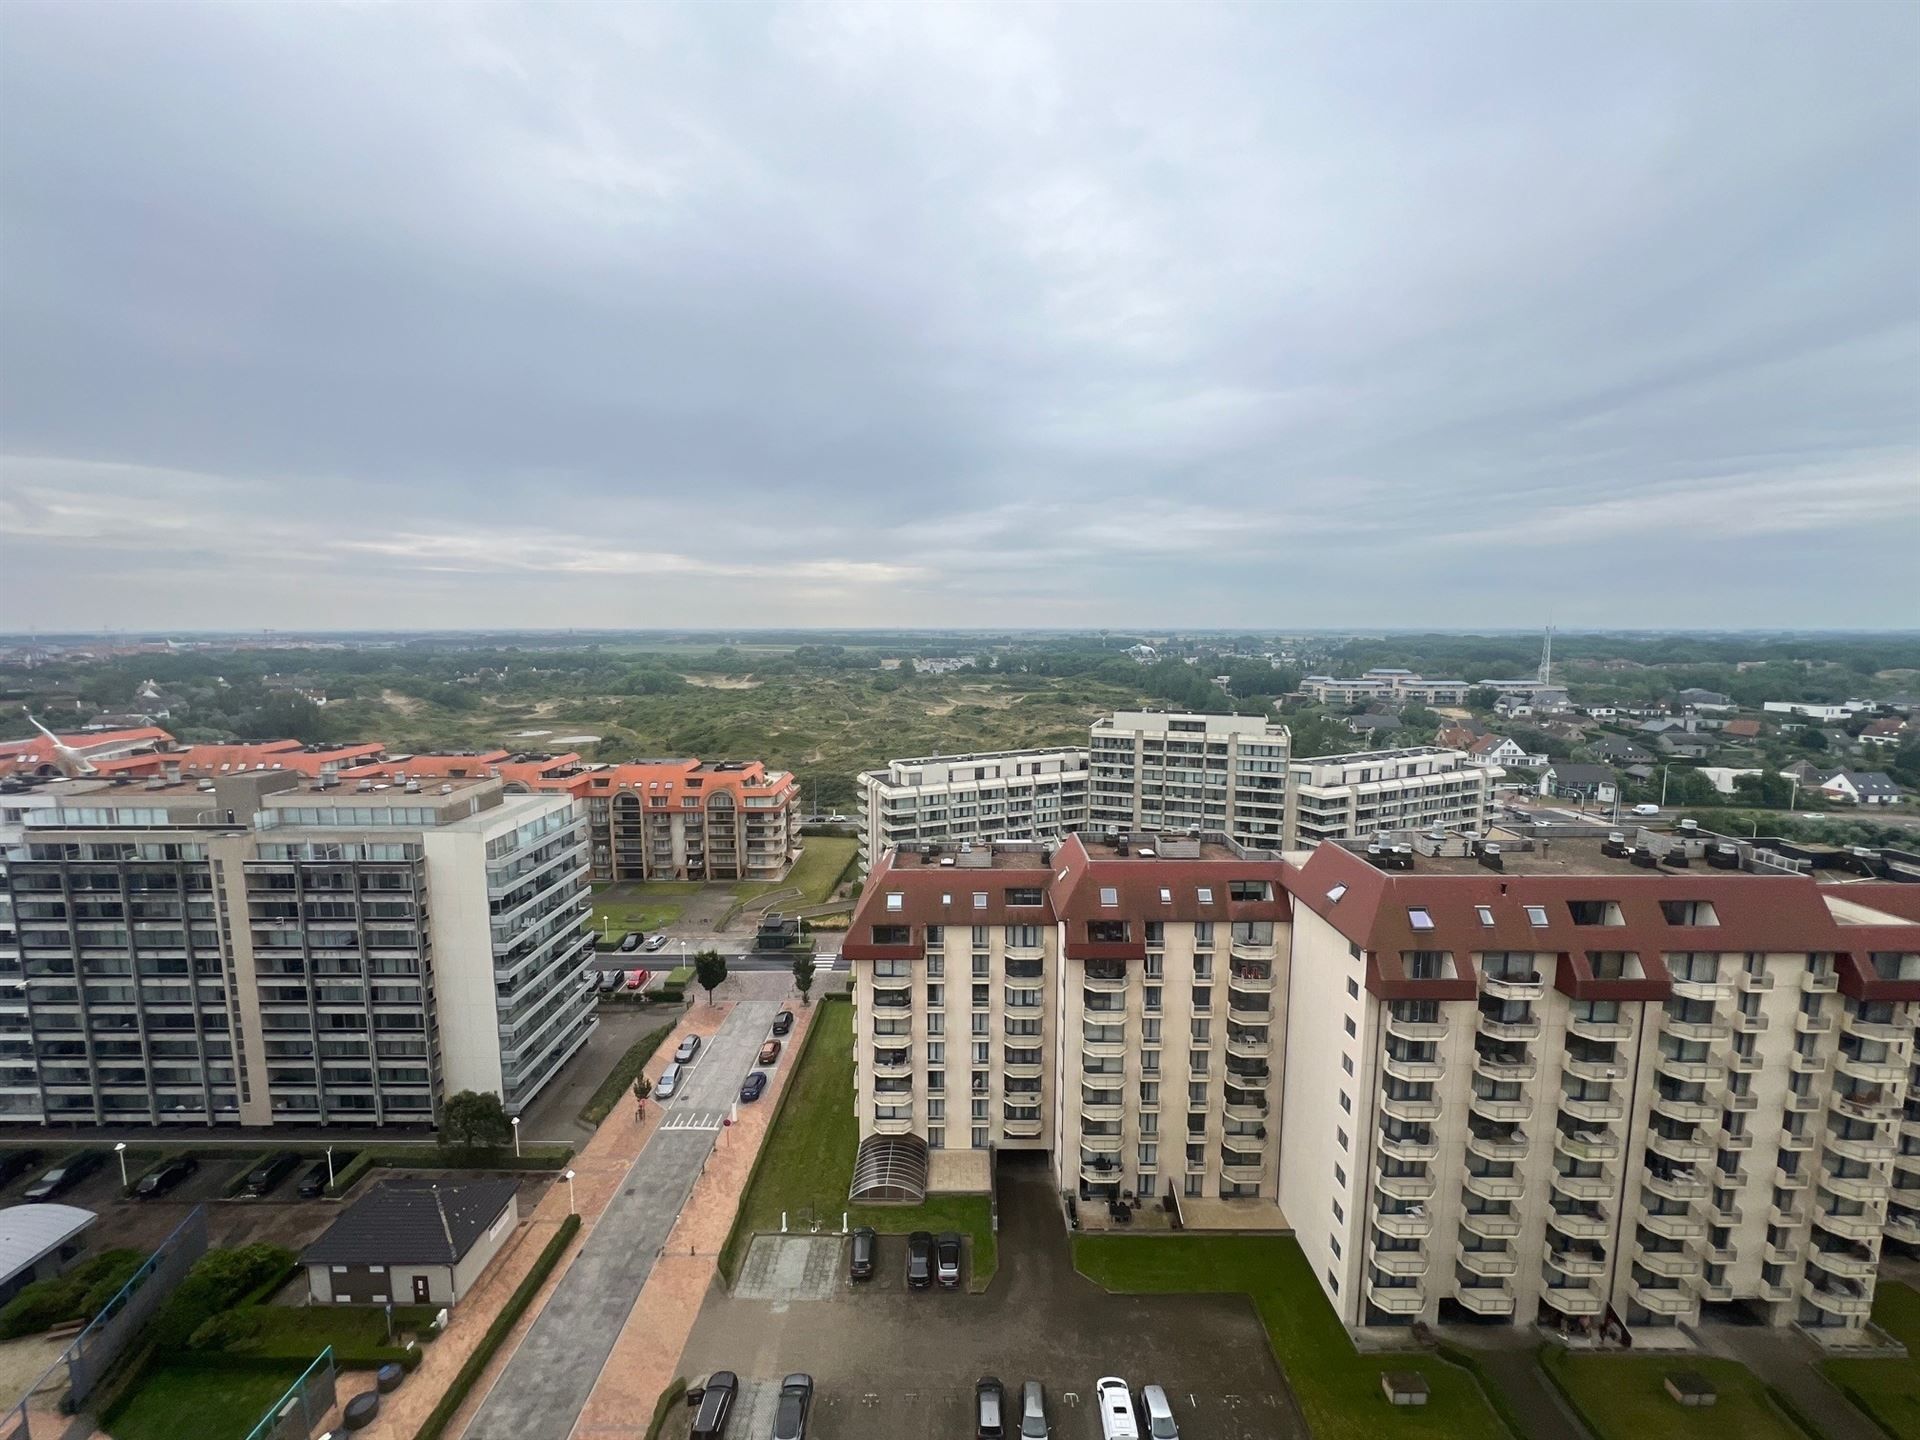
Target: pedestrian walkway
(1532, 1396)
(546, 1383)
(1789, 1362)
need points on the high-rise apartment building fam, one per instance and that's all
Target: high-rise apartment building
(1366, 793)
(264, 948)
(992, 795)
(1157, 771)
(1529, 1079)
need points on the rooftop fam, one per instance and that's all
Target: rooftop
(412, 1222)
(29, 1231)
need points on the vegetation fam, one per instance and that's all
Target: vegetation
(803, 976)
(436, 1422)
(1622, 1397)
(475, 1120)
(805, 1168)
(710, 969)
(193, 1402)
(80, 1294)
(1888, 1390)
(623, 1077)
(825, 861)
(617, 915)
(439, 1157)
(356, 1333)
(1338, 1388)
(219, 1280)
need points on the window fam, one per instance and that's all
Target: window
(895, 900)
(1025, 896)
(1340, 1176)
(1537, 916)
(1166, 896)
(979, 899)
(1346, 1105)
(1353, 988)
(936, 1137)
(1333, 1281)
(1352, 1029)
(1206, 895)
(1485, 912)
(1419, 919)
(1346, 1063)
(1334, 895)
(979, 1137)
(1339, 1213)
(1334, 1241)
(1109, 895)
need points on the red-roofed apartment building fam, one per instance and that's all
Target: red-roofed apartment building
(1540, 1082)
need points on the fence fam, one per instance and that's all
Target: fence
(95, 1348)
(307, 1402)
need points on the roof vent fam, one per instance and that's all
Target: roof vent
(413, 787)
(1689, 824)
(446, 789)
(365, 787)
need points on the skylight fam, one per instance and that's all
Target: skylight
(1109, 896)
(1486, 914)
(1335, 893)
(895, 900)
(1206, 895)
(1166, 896)
(1537, 916)
(979, 899)
(1419, 918)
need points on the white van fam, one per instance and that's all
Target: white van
(1645, 809)
(1116, 1410)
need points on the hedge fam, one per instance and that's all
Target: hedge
(239, 1182)
(510, 1313)
(216, 1283)
(448, 1157)
(80, 1294)
(619, 1080)
(663, 1407)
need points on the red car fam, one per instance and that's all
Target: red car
(769, 1052)
(638, 978)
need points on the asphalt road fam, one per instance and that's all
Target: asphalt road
(545, 1385)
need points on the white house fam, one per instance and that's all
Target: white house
(1862, 787)
(1807, 709)
(1723, 776)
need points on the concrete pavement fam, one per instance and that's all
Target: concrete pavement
(545, 1385)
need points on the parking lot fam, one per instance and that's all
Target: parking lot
(893, 1364)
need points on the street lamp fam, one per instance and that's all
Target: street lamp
(329, 1167)
(1663, 783)
(120, 1150)
(572, 1209)
(516, 1137)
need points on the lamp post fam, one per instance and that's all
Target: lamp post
(120, 1153)
(516, 1137)
(1663, 783)
(572, 1208)
(329, 1167)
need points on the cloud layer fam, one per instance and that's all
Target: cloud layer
(409, 315)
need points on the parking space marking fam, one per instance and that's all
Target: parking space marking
(694, 1120)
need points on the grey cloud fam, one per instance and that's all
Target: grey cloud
(944, 314)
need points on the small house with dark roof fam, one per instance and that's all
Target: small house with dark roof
(412, 1242)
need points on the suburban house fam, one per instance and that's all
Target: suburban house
(1372, 724)
(1667, 724)
(1809, 711)
(1584, 782)
(411, 1242)
(1887, 731)
(1746, 728)
(1682, 746)
(1805, 771)
(1504, 750)
(1722, 777)
(1611, 750)
(1458, 734)
(1862, 787)
(1696, 699)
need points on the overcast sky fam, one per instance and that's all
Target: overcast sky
(417, 315)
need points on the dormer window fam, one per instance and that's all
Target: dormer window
(1689, 912)
(1419, 919)
(1166, 896)
(979, 899)
(1595, 912)
(1537, 916)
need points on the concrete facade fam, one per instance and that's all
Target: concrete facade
(1155, 771)
(992, 795)
(1359, 795)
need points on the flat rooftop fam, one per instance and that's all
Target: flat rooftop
(1209, 850)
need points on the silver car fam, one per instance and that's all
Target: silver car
(1033, 1412)
(668, 1083)
(689, 1048)
(1156, 1415)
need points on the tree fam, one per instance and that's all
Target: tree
(475, 1120)
(1766, 790)
(1481, 698)
(803, 975)
(710, 971)
(1813, 738)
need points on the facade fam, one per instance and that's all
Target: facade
(1582, 782)
(954, 799)
(1862, 787)
(1662, 1079)
(1152, 770)
(684, 819)
(1358, 796)
(1385, 683)
(261, 949)
(411, 1242)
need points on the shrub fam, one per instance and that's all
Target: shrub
(217, 1282)
(77, 1295)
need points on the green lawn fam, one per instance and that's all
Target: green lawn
(199, 1403)
(613, 917)
(822, 862)
(1338, 1388)
(1888, 1390)
(1622, 1398)
(807, 1165)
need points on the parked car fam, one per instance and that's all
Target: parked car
(838, 820)
(313, 1184)
(656, 942)
(770, 1052)
(716, 1404)
(919, 1260)
(163, 1178)
(1033, 1412)
(610, 980)
(1116, 1409)
(989, 1401)
(66, 1173)
(790, 1416)
(590, 978)
(1156, 1415)
(860, 1259)
(15, 1163)
(266, 1177)
(947, 1253)
(637, 979)
(668, 1082)
(754, 1086)
(630, 941)
(689, 1048)
(1645, 809)
(783, 1022)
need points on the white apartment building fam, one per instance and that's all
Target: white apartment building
(991, 795)
(1668, 1077)
(1156, 771)
(264, 948)
(1366, 793)
(1385, 683)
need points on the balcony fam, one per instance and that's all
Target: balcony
(1490, 1224)
(1800, 1104)
(1416, 1030)
(1103, 1114)
(1864, 1188)
(1573, 1260)
(1875, 1105)
(1495, 1147)
(1738, 1101)
(1102, 982)
(1249, 950)
(1666, 1263)
(1823, 982)
(1488, 1262)
(1786, 1217)
(1791, 1179)
(1839, 1297)
(1401, 1108)
(1663, 1301)
(1518, 987)
(1700, 1032)
(1713, 1290)
(890, 982)
(1593, 1145)
(1746, 1024)
(1022, 1069)
(1250, 979)
(892, 1064)
(1575, 1224)
(1398, 1262)
(1715, 989)
(1486, 1299)
(1412, 1071)
(1672, 1227)
(1687, 1112)
(1240, 1169)
(1102, 1049)
(1096, 1173)
(1806, 1024)
(893, 1125)
(1501, 1111)
(1863, 1226)
(1515, 1031)
(1408, 1226)
(1684, 1148)
(1396, 1299)
(1406, 1187)
(1686, 1071)
(1013, 1009)
(1788, 1254)
(1602, 1031)
(1866, 1151)
(1598, 1072)
(1852, 1264)
(1572, 1299)
(1754, 982)
(1023, 1129)
(1737, 1142)
(1584, 1187)
(1246, 1112)
(1873, 1072)
(1504, 1069)
(1591, 1112)
(1903, 1225)
(1250, 1045)
(1884, 1032)
(1404, 1149)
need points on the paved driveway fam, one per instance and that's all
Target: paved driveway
(546, 1383)
(892, 1364)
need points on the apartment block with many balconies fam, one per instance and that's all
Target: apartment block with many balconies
(948, 800)
(1220, 774)
(1372, 792)
(686, 819)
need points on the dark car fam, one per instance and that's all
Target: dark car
(770, 1052)
(313, 1184)
(65, 1174)
(919, 1260)
(796, 1399)
(947, 1254)
(783, 1022)
(161, 1179)
(755, 1086)
(860, 1262)
(631, 940)
(265, 1178)
(716, 1404)
(610, 980)
(989, 1407)
(15, 1163)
